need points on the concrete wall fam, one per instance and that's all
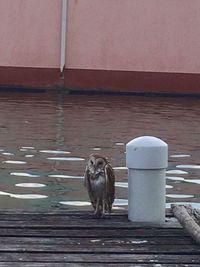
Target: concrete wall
(30, 42)
(134, 35)
(127, 45)
(30, 33)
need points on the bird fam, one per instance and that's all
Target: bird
(99, 179)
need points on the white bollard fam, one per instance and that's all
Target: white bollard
(147, 160)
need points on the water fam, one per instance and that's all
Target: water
(45, 139)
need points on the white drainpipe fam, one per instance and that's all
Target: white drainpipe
(63, 34)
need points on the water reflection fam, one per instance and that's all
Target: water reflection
(23, 196)
(176, 172)
(39, 131)
(31, 185)
(67, 159)
(14, 162)
(55, 152)
(191, 166)
(65, 176)
(179, 196)
(7, 154)
(180, 156)
(25, 174)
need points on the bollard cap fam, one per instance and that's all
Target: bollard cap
(147, 152)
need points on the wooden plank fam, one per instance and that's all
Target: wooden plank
(65, 211)
(45, 264)
(85, 241)
(100, 248)
(82, 216)
(95, 233)
(86, 223)
(104, 258)
(48, 264)
(76, 239)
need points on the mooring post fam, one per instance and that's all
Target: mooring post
(147, 160)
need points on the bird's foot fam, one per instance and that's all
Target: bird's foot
(98, 215)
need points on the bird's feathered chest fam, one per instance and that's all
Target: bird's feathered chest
(98, 184)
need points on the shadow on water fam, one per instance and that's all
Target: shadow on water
(45, 139)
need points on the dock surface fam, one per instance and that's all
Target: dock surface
(62, 238)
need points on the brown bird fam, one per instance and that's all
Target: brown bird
(100, 183)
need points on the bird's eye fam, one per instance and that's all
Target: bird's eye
(91, 162)
(100, 163)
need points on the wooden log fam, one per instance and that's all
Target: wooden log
(187, 221)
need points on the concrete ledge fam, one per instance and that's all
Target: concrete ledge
(29, 77)
(135, 82)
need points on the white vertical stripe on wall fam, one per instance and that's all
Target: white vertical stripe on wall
(63, 34)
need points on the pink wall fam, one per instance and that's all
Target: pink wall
(134, 35)
(30, 33)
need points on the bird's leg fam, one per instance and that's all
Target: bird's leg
(94, 205)
(104, 207)
(98, 212)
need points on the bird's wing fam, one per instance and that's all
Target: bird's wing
(110, 183)
(86, 177)
(88, 186)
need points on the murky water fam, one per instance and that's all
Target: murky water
(46, 137)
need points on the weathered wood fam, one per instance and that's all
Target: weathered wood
(119, 258)
(86, 241)
(60, 239)
(48, 264)
(100, 248)
(64, 222)
(187, 221)
(95, 233)
(63, 212)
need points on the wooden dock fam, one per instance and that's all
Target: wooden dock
(61, 238)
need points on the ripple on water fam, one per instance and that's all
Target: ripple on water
(67, 159)
(175, 178)
(14, 162)
(179, 196)
(25, 174)
(30, 185)
(118, 208)
(121, 184)
(28, 147)
(24, 149)
(2, 193)
(180, 156)
(28, 196)
(62, 176)
(193, 181)
(75, 203)
(120, 202)
(125, 185)
(176, 172)
(55, 152)
(23, 196)
(188, 166)
(119, 144)
(169, 186)
(117, 202)
(120, 168)
(96, 148)
(7, 154)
